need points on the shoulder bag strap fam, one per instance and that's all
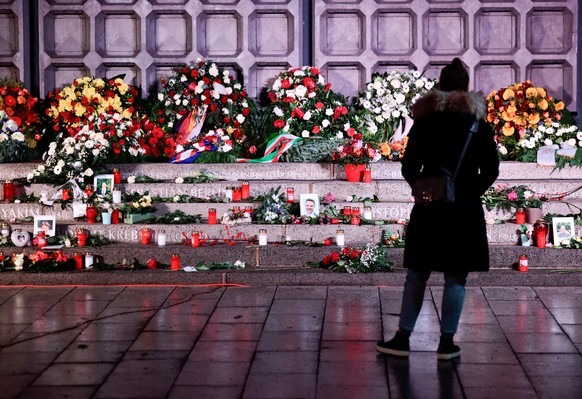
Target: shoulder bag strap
(472, 131)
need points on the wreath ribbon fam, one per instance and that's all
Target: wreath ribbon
(275, 148)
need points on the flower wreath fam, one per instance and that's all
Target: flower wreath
(71, 107)
(386, 105)
(20, 106)
(517, 109)
(305, 106)
(201, 102)
(13, 146)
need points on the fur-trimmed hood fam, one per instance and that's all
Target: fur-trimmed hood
(457, 101)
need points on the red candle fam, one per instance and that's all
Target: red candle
(248, 209)
(195, 239)
(146, 234)
(41, 239)
(66, 193)
(245, 190)
(91, 213)
(175, 262)
(520, 216)
(1, 256)
(541, 239)
(356, 211)
(237, 194)
(78, 256)
(89, 190)
(212, 216)
(81, 237)
(116, 176)
(347, 210)
(290, 195)
(367, 176)
(115, 217)
(8, 190)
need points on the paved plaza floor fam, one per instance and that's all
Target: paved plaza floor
(217, 341)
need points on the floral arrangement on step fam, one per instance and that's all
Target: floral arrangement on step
(13, 147)
(371, 258)
(71, 108)
(198, 99)
(303, 104)
(386, 105)
(236, 216)
(274, 208)
(103, 138)
(139, 206)
(356, 151)
(508, 198)
(22, 107)
(517, 110)
(39, 261)
(564, 136)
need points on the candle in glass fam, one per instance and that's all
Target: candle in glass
(146, 235)
(228, 193)
(116, 195)
(162, 238)
(89, 190)
(175, 262)
(368, 212)
(41, 239)
(9, 190)
(115, 216)
(262, 237)
(236, 194)
(212, 216)
(195, 239)
(290, 195)
(5, 229)
(81, 237)
(367, 176)
(116, 176)
(78, 257)
(245, 190)
(340, 238)
(89, 260)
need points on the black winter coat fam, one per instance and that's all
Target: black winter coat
(450, 237)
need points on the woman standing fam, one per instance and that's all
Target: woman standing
(439, 233)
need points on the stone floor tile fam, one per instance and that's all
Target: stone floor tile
(298, 306)
(519, 308)
(388, 294)
(169, 320)
(342, 314)
(427, 323)
(47, 324)
(479, 333)
(74, 374)
(551, 364)
(279, 386)
(295, 292)
(20, 315)
(355, 296)
(574, 332)
(12, 363)
(478, 316)
(421, 341)
(145, 379)
(127, 315)
(558, 386)
(492, 376)
(567, 315)
(498, 392)
(237, 351)
(81, 307)
(487, 353)
(58, 392)
(145, 297)
(510, 293)
(529, 324)
(284, 362)
(12, 385)
(46, 297)
(293, 322)
(352, 392)
(195, 306)
(42, 342)
(353, 373)
(247, 296)
(238, 314)
(212, 373)
(94, 352)
(349, 351)
(181, 355)
(164, 340)
(540, 343)
(351, 331)
(289, 341)
(105, 330)
(195, 293)
(7, 293)
(9, 331)
(566, 297)
(231, 332)
(206, 392)
(93, 293)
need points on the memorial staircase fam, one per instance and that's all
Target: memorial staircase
(290, 247)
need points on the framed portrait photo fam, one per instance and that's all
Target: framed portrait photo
(563, 229)
(46, 223)
(309, 205)
(103, 184)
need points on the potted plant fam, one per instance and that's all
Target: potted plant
(508, 198)
(355, 154)
(138, 210)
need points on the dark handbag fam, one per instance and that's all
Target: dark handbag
(440, 188)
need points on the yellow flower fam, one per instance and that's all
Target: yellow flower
(543, 104)
(507, 94)
(507, 130)
(80, 109)
(533, 119)
(560, 106)
(531, 92)
(541, 92)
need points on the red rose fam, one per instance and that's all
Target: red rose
(285, 84)
(10, 101)
(252, 149)
(315, 129)
(319, 105)
(279, 123)
(246, 111)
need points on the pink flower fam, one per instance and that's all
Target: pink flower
(512, 196)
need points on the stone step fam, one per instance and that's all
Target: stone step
(281, 256)
(504, 233)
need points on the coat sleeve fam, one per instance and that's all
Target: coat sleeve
(411, 161)
(489, 162)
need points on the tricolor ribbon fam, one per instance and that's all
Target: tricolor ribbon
(275, 148)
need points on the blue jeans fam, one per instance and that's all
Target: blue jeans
(412, 298)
